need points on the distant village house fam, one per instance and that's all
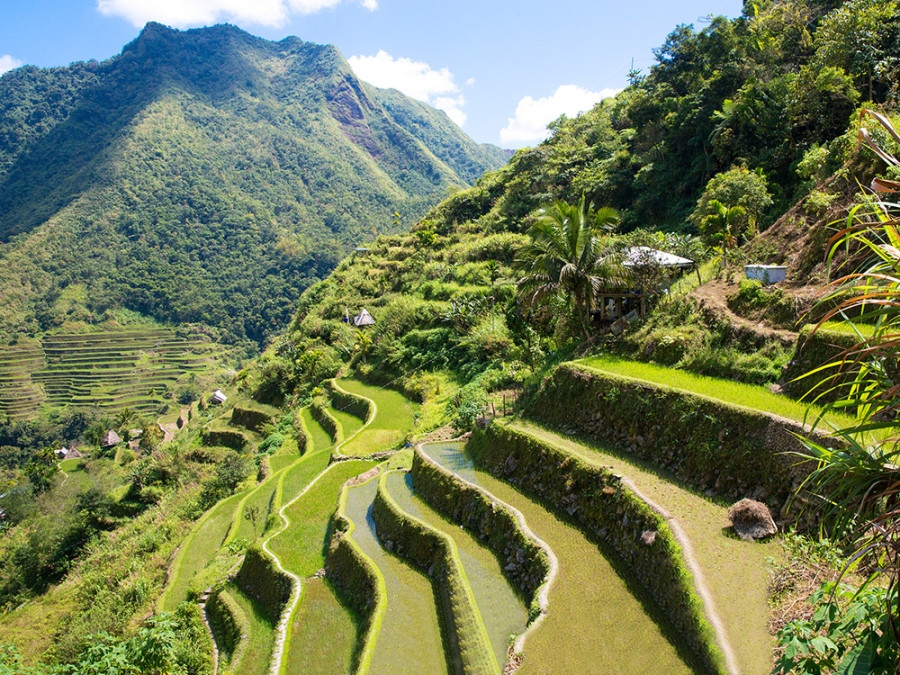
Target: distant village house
(218, 398)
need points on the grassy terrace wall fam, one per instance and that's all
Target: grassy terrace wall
(735, 452)
(524, 563)
(227, 622)
(359, 583)
(329, 424)
(229, 438)
(814, 350)
(355, 405)
(596, 501)
(259, 578)
(250, 418)
(468, 646)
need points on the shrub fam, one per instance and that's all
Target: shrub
(466, 406)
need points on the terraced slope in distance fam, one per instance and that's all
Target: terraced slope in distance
(108, 370)
(735, 571)
(20, 394)
(595, 621)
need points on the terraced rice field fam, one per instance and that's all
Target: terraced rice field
(108, 370)
(503, 611)
(395, 417)
(253, 656)
(595, 623)
(600, 619)
(729, 391)
(411, 632)
(323, 632)
(736, 571)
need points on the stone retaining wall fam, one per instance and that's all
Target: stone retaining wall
(716, 447)
(597, 502)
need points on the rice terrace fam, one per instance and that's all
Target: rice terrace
(297, 377)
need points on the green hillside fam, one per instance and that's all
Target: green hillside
(509, 470)
(206, 176)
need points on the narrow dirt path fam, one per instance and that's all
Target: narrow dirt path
(713, 295)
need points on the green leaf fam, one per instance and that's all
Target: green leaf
(858, 661)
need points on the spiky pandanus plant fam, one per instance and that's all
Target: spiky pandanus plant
(858, 485)
(567, 256)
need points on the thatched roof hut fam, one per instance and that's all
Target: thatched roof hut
(363, 319)
(110, 439)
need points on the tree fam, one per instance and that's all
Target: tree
(736, 187)
(566, 256)
(862, 37)
(150, 438)
(41, 469)
(723, 226)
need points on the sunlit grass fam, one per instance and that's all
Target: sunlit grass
(324, 632)
(394, 419)
(729, 391)
(300, 547)
(198, 549)
(319, 438)
(257, 648)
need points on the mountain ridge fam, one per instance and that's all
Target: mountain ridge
(278, 144)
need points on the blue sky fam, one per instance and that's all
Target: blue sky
(500, 68)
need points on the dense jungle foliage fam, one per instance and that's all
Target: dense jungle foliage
(748, 114)
(205, 176)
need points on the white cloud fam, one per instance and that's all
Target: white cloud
(533, 115)
(7, 62)
(185, 13)
(414, 78)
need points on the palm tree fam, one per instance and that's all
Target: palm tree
(566, 256)
(724, 225)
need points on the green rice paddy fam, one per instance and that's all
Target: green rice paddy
(323, 632)
(301, 545)
(737, 393)
(504, 613)
(319, 439)
(199, 549)
(410, 638)
(394, 419)
(595, 623)
(256, 650)
(736, 571)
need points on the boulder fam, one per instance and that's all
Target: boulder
(751, 519)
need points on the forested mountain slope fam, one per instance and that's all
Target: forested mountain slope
(205, 176)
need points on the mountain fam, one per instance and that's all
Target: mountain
(205, 176)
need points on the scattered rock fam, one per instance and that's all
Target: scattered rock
(648, 537)
(751, 519)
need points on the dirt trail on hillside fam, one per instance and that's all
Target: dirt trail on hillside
(712, 295)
